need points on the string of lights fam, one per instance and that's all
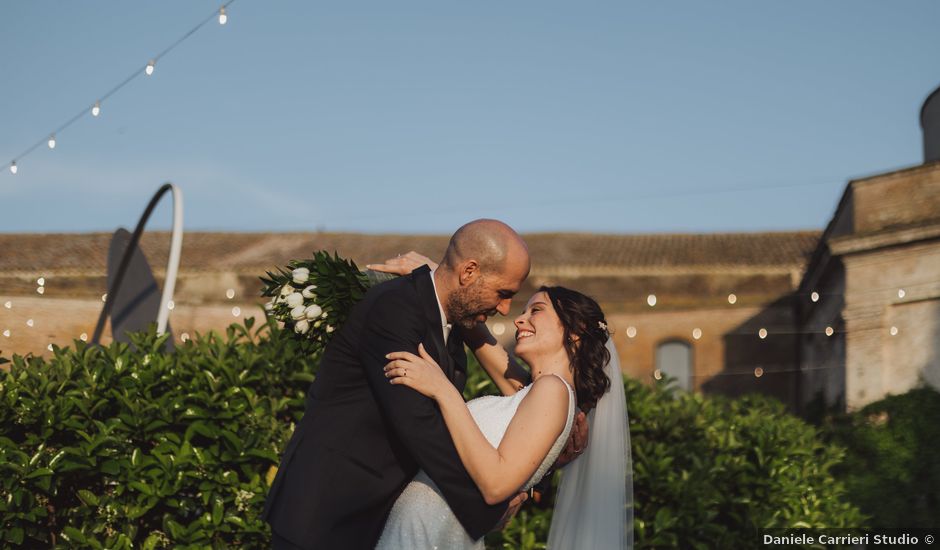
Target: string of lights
(95, 108)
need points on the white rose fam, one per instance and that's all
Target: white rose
(295, 299)
(312, 312)
(297, 313)
(308, 292)
(301, 274)
(286, 289)
(301, 327)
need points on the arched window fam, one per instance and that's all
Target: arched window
(674, 359)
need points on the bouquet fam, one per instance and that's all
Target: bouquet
(313, 297)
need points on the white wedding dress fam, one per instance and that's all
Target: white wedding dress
(421, 518)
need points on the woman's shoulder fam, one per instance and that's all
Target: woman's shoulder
(548, 389)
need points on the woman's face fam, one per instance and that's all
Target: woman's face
(538, 330)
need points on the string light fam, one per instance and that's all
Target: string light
(901, 293)
(170, 305)
(41, 281)
(8, 304)
(631, 332)
(236, 311)
(893, 331)
(41, 289)
(230, 293)
(696, 333)
(658, 374)
(148, 70)
(499, 328)
(83, 337)
(29, 322)
(104, 297)
(732, 299)
(6, 333)
(49, 347)
(651, 300)
(814, 296)
(762, 333)
(184, 337)
(829, 331)
(758, 372)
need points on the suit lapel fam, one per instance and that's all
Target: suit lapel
(436, 347)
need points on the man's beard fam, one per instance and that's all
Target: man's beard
(465, 304)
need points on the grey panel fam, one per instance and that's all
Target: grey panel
(137, 301)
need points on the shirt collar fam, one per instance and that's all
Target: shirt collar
(445, 326)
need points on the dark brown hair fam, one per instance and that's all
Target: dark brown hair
(582, 317)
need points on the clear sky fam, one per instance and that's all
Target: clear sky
(409, 116)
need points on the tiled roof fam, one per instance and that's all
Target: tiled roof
(82, 253)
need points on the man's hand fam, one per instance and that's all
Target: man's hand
(577, 441)
(512, 510)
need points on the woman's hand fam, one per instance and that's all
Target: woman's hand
(403, 264)
(420, 373)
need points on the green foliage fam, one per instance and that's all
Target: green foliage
(126, 446)
(710, 471)
(892, 470)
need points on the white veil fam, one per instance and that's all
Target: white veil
(594, 507)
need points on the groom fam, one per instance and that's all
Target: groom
(362, 439)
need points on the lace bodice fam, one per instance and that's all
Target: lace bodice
(421, 518)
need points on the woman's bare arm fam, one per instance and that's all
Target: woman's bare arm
(502, 368)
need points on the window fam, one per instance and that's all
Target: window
(674, 359)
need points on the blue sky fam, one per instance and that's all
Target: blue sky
(409, 116)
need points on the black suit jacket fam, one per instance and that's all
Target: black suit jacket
(362, 439)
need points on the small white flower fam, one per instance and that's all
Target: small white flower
(301, 327)
(297, 313)
(308, 292)
(269, 306)
(301, 274)
(286, 289)
(312, 312)
(295, 299)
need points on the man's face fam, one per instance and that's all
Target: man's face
(487, 295)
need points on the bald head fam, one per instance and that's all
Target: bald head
(495, 246)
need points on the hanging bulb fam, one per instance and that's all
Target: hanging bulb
(223, 18)
(96, 110)
(150, 65)
(52, 141)
(13, 167)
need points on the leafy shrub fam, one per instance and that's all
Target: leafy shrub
(710, 471)
(893, 467)
(127, 446)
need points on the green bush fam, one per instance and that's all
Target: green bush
(127, 446)
(710, 471)
(893, 467)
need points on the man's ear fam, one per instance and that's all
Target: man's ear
(469, 272)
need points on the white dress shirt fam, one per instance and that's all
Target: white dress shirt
(445, 326)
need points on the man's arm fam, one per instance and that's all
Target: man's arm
(394, 323)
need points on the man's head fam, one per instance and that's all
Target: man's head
(486, 262)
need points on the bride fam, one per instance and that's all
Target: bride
(508, 443)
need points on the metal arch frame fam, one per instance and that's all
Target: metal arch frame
(172, 267)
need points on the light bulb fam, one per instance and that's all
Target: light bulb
(83, 337)
(631, 332)
(893, 331)
(149, 69)
(41, 281)
(651, 300)
(829, 331)
(499, 329)
(762, 333)
(13, 167)
(696, 333)
(732, 298)
(758, 372)
(170, 305)
(96, 110)
(658, 374)
(52, 141)
(901, 293)
(814, 297)
(236, 311)
(223, 17)
(230, 293)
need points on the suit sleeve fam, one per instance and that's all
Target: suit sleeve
(394, 324)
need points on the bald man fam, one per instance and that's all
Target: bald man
(361, 439)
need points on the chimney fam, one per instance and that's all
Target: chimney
(930, 124)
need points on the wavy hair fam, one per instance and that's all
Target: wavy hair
(583, 318)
